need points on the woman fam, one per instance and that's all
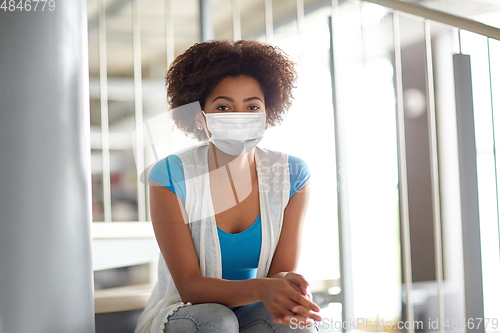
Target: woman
(228, 215)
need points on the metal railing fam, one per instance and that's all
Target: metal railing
(473, 280)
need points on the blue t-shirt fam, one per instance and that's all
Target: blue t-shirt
(240, 252)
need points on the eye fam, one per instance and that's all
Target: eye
(254, 107)
(223, 108)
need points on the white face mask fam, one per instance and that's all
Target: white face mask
(236, 133)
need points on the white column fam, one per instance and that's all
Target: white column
(45, 199)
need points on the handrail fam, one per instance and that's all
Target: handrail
(441, 17)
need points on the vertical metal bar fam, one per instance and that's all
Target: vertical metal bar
(403, 178)
(169, 32)
(346, 294)
(467, 156)
(459, 41)
(300, 16)
(103, 84)
(139, 139)
(236, 20)
(268, 8)
(436, 201)
(206, 26)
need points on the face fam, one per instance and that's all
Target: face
(233, 94)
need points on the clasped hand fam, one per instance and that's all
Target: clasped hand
(290, 301)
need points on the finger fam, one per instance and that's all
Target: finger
(302, 300)
(299, 309)
(286, 309)
(299, 280)
(296, 288)
(309, 295)
(303, 311)
(294, 309)
(285, 313)
(308, 314)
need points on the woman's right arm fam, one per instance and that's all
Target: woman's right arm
(176, 244)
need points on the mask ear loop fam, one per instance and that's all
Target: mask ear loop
(205, 126)
(213, 146)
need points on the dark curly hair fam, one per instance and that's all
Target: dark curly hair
(194, 74)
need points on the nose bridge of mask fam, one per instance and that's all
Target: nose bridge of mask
(246, 122)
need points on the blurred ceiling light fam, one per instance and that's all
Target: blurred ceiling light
(414, 103)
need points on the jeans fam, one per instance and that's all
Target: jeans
(218, 318)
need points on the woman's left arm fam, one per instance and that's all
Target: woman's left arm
(286, 256)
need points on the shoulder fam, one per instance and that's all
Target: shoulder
(297, 165)
(166, 170)
(172, 165)
(299, 173)
(169, 172)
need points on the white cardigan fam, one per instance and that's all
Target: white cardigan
(274, 190)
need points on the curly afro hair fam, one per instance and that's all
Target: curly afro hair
(194, 74)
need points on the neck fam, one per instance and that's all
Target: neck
(218, 159)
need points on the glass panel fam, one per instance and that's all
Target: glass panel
(95, 113)
(492, 308)
(121, 111)
(310, 124)
(365, 93)
(418, 161)
(307, 126)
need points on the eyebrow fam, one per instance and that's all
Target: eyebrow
(232, 100)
